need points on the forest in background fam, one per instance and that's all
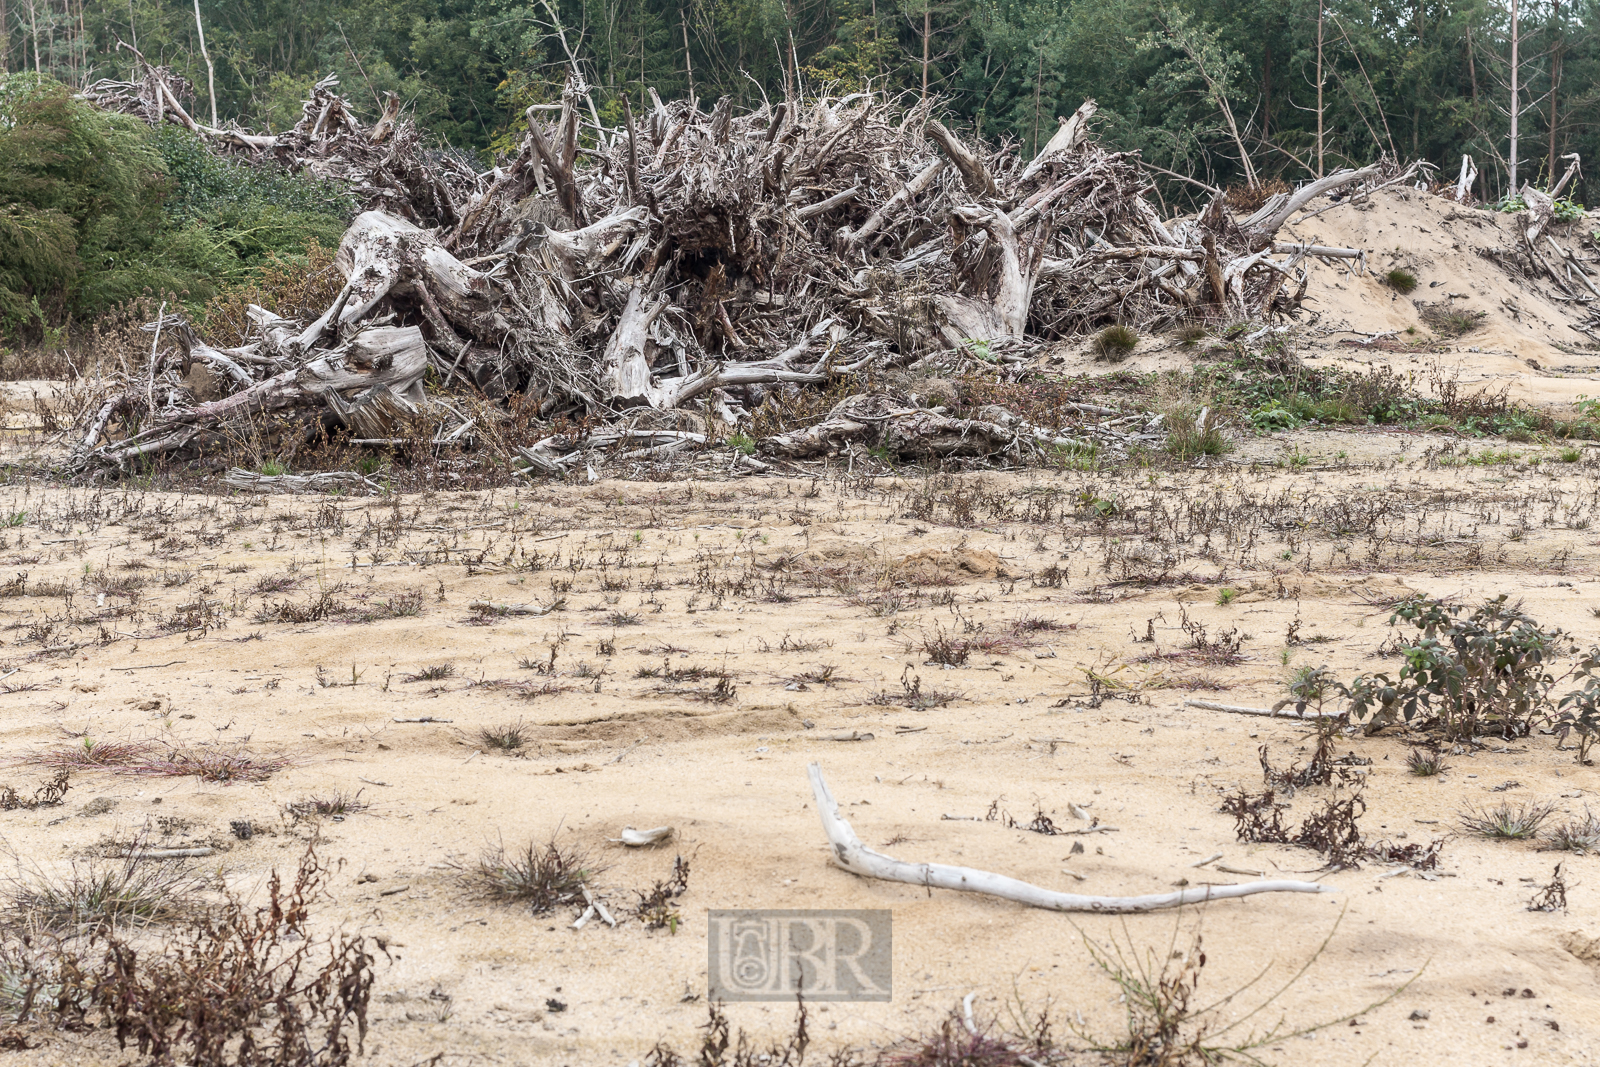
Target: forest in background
(1219, 92)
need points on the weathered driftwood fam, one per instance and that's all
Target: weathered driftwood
(691, 260)
(853, 856)
(319, 482)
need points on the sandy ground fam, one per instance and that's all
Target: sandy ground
(859, 574)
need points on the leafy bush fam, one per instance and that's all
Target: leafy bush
(1580, 709)
(82, 191)
(1482, 672)
(100, 210)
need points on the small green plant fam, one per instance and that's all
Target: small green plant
(1115, 343)
(1506, 821)
(1569, 455)
(1401, 281)
(1226, 596)
(1576, 835)
(1274, 416)
(1191, 334)
(657, 909)
(979, 348)
(272, 468)
(510, 737)
(1425, 763)
(1579, 711)
(741, 442)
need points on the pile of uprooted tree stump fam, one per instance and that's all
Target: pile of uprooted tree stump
(691, 260)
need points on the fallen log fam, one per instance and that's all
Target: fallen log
(850, 854)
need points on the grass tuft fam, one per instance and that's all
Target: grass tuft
(1426, 764)
(1115, 343)
(337, 804)
(99, 895)
(1401, 281)
(543, 877)
(510, 737)
(1507, 822)
(1576, 835)
(438, 672)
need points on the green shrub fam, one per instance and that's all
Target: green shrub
(1486, 671)
(1402, 281)
(82, 191)
(1114, 343)
(98, 210)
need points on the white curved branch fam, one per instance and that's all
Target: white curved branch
(853, 856)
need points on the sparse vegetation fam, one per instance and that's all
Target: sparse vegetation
(508, 737)
(336, 804)
(1425, 763)
(657, 908)
(540, 876)
(438, 672)
(1576, 835)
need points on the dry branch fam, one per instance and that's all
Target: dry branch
(729, 259)
(853, 856)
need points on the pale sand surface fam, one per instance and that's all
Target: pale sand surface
(723, 572)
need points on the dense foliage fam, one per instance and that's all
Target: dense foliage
(98, 209)
(1426, 78)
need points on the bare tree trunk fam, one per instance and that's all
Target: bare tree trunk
(927, 34)
(211, 71)
(33, 19)
(974, 175)
(688, 64)
(1319, 88)
(1516, 97)
(1038, 85)
(1555, 85)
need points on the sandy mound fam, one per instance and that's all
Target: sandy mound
(1466, 261)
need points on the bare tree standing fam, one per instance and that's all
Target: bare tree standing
(927, 35)
(33, 21)
(211, 71)
(1516, 96)
(1319, 87)
(1556, 48)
